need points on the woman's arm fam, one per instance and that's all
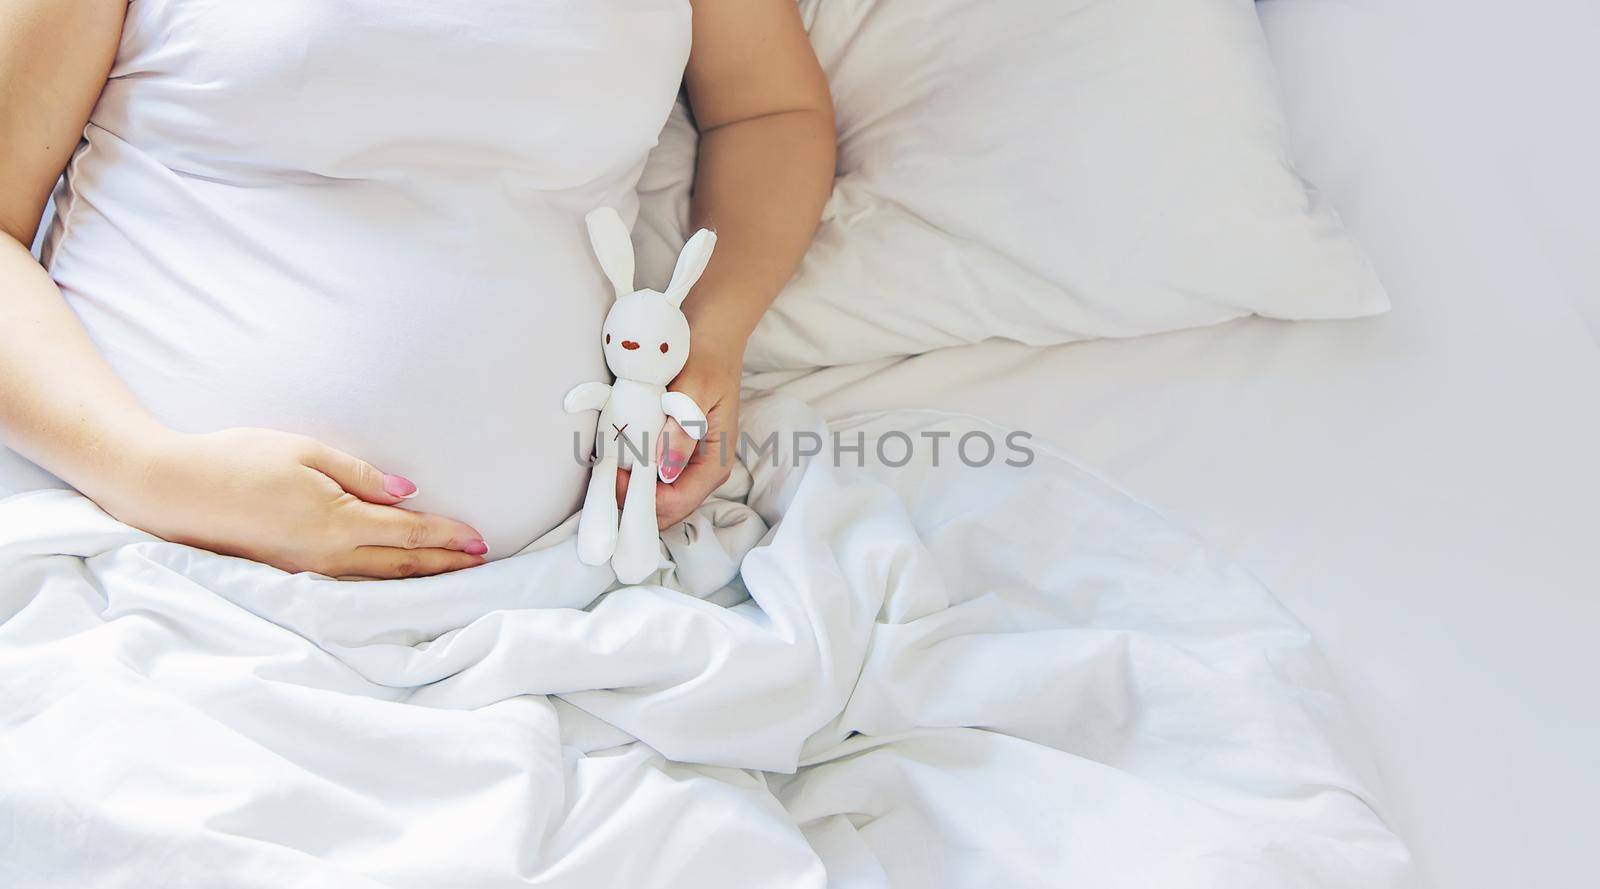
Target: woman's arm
(60, 404)
(767, 150)
(278, 498)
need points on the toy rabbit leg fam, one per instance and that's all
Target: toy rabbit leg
(597, 525)
(638, 540)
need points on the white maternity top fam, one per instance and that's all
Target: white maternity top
(362, 220)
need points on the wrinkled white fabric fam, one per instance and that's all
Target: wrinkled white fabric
(924, 676)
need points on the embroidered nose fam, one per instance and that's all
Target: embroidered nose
(630, 345)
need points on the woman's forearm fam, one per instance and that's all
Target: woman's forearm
(761, 186)
(767, 150)
(61, 405)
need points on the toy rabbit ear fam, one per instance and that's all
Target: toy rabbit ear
(691, 265)
(613, 247)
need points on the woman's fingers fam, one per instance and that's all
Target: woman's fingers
(674, 451)
(390, 562)
(704, 474)
(391, 526)
(380, 522)
(359, 477)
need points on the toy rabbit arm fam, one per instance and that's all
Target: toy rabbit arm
(586, 397)
(682, 408)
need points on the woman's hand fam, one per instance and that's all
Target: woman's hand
(688, 471)
(691, 470)
(288, 501)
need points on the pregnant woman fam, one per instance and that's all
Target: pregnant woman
(319, 278)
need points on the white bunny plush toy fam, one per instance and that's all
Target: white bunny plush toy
(646, 345)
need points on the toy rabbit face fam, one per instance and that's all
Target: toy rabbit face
(646, 335)
(646, 338)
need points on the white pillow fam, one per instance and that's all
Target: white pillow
(1042, 171)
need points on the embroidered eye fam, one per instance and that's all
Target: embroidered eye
(663, 348)
(608, 339)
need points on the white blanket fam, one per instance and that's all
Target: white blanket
(921, 677)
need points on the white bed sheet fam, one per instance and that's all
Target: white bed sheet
(1419, 488)
(925, 690)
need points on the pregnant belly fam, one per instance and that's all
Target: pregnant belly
(431, 341)
(468, 409)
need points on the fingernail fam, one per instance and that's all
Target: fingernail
(476, 548)
(399, 486)
(672, 466)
